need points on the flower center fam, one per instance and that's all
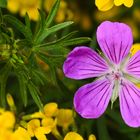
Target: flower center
(115, 77)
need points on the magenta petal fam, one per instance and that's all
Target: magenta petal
(133, 66)
(115, 40)
(83, 62)
(129, 97)
(91, 100)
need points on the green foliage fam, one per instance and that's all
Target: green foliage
(21, 49)
(3, 3)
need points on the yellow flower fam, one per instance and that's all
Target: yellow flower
(91, 137)
(50, 109)
(21, 134)
(65, 118)
(36, 115)
(6, 135)
(127, 3)
(105, 5)
(76, 136)
(13, 6)
(73, 136)
(135, 48)
(49, 123)
(25, 6)
(35, 130)
(7, 120)
(1, 111)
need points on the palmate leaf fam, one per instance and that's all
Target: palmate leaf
(3, 3)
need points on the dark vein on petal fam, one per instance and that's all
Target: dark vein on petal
(134, 67)
(97, 94)
(109, 50)
(94, 88)
(124, 51)
(126, 101)
(130, 95)
(133, 59)
(130, 65)
(102, 96)
(97, 60)
(99, 66)
(120, 51)
(114, 53)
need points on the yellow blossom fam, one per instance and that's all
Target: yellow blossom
(127, 3)
(105, 5)
(50, 109)
(91, 137)
(73, 136)
(49, 123)
(65, 118)
(22, 134)
(36, 130)
(25, 6)
(135, 48)
(6, 135)
(13, 6)
(7, 120)
(36, 115)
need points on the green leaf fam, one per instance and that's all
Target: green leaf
(47, 31)
(64, 43)
(3, 81)
(2, 93)
(66, 37)
(1, 16)
(102, 129)
(3, 3)
(45, 24)
(27, 22)
(42, 20)
(17, 24)
(52, 67)
(39, 76)
(34, 93)
(22, 87)
(52, 14)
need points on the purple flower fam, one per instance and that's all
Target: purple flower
(116, 71)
